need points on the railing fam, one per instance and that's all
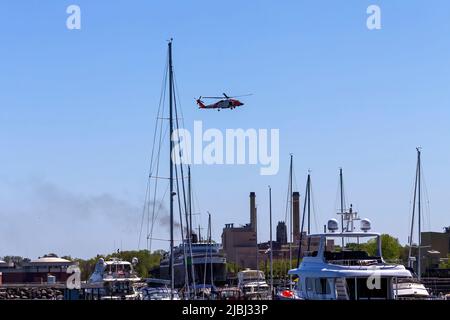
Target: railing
(437, 285)
(354, 262)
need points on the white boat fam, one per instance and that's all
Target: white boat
(206, 261)
(157, 289)
(410, 288)
(348, 274)
(114, 279)
(160, 293)
(253, 285)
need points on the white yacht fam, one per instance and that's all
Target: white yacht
(348, 274)
(114, 279)
(253, 285)
(410, 288)
(158, 289)
(207, 260)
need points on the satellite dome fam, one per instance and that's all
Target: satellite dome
(365, 225)
(333, 225)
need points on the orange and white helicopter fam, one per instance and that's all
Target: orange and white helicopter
(224, 102)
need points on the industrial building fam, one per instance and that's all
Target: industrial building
(240, 243)
(436, 248)
(437, 241)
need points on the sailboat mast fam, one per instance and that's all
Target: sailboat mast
(271, 240)
(190, 202)
(419, 213)
(172, 274)
(290, 220)
(190, 231)
(341, 184)
(410, 262)
(306, 207)
(308, 184)
(210, 249)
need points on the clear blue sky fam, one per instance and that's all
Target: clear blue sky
(77, 111)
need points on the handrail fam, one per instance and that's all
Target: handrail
(354, 262)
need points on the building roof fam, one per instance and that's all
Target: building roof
(50, 260)
(114, 262)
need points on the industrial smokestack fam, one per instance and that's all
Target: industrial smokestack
(296, 216)
(253, 211)
(281, 232)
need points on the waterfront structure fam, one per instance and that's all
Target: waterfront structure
(47, 269)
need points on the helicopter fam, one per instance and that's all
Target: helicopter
(224, 102)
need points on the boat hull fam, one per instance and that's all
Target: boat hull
(202, 274)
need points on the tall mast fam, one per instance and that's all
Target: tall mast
(419, 213)
(306, 207)
(308, 198)
(410, 242)
(417, 204)
(172, 274)
(189, 230)
(190, 202)
(257, 251)
(341, 186)
(210, 249)
(271, 246)
(290, 221)
(308, 201)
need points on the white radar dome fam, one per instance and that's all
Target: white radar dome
(333, 225)
(365, 225)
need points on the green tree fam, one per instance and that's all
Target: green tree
(445, 263)
(356, 246)
(390, 247)
(233, 268)
(18, 261)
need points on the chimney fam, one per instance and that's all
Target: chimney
(296, 216)
(253, 211)
(281, 232)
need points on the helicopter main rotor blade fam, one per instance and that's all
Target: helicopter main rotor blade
(227, 97)
(242, 95)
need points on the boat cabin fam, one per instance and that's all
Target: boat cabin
(347, 273)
